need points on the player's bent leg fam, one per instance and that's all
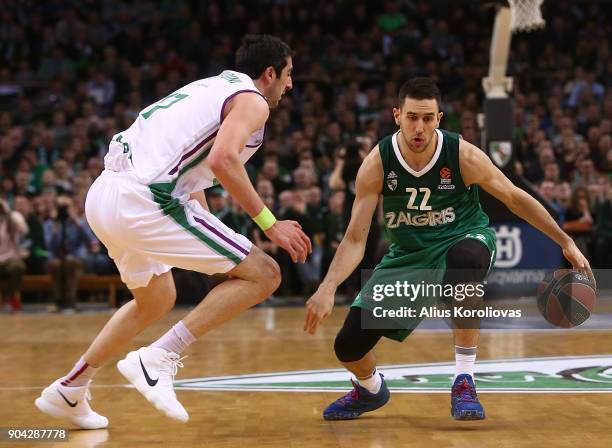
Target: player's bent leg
(252, 281)
(152, 369)
(149, 304)
(353, 347)
(467, 263)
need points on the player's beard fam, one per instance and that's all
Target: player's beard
(278, 96)
(276, 101)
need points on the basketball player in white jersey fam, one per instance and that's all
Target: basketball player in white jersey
(148, 208)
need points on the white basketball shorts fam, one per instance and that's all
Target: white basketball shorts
(147, 232)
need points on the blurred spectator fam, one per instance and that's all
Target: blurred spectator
(551, 172)
(563, 197)
(271, 171)
(100, 88)
(34, 241)
(222, 206)
(333, 227)
(392, 19)
(95, 256)
(293, 207)
(547, 191)
(585, 174)
(12, 228)
(588, 85)
(579, 219)
(603, 234)
(265, 189)
(67, 240)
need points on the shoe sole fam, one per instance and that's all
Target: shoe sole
(331, 417)
(56, 412)
(353, 416)
(124, 368)
(469, 415)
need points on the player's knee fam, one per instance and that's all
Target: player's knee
(169, 296)
(268, 273)
(273, 276)
(467, 262)
(346, 347)
(161, 296)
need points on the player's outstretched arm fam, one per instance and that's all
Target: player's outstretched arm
(246, 113)
(477, 168)
(368, 187)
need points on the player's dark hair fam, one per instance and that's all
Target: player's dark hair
(419, 89)
(260, 51)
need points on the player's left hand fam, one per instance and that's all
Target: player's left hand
(318, 307)
(578, 260)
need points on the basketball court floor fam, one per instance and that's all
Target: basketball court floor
(261, 381)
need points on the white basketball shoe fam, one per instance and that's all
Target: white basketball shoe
(70, 403)
(151, 370)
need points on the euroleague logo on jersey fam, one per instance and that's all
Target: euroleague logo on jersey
(446, 179)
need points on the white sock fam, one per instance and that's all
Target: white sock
(80, 375)
(177, 339)
(372, 382)
(465, 357)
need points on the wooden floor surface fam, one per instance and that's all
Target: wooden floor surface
(36, 349)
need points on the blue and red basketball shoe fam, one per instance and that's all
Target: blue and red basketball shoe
(464, 400)
(356, 402)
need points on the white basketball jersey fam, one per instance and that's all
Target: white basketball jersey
(170, 139)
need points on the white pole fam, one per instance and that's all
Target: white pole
(497, 84)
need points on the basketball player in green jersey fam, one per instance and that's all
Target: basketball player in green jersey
(429, 181)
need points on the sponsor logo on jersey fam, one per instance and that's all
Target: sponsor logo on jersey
(563, 374)
(392, 180)
(446, 181)
(432, 219)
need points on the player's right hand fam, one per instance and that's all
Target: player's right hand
(289, 235)
(318, 307)
(578, 260)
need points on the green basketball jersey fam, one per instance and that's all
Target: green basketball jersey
(422, 209)
(425, 214)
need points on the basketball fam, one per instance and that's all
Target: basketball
(566, 298)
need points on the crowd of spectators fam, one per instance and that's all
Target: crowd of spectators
(74, 73)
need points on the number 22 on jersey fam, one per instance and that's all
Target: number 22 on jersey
(413, 195)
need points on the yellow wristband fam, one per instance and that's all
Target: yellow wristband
(265, 219)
